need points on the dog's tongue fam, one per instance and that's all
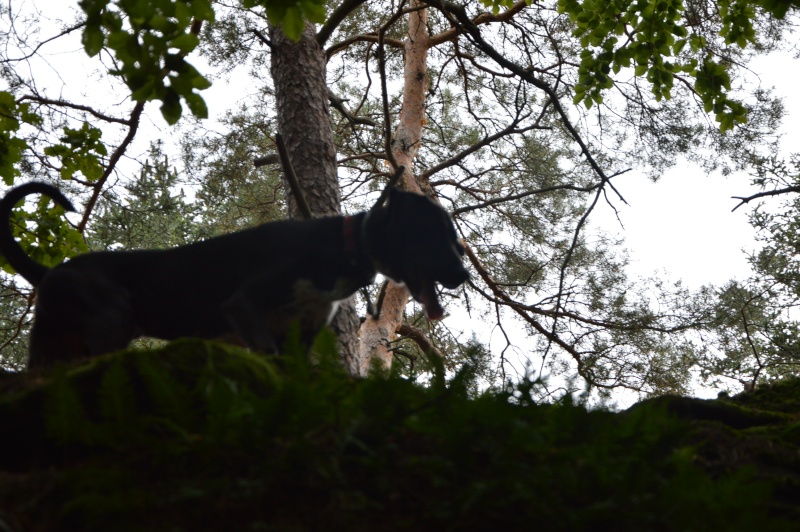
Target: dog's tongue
(429, 300)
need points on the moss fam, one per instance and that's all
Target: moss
(199, 435)
(782, 396)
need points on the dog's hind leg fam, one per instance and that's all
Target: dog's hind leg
(54, 340)
(78, 315)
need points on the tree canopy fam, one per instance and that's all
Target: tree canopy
(516, 117)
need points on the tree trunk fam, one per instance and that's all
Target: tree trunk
(304, 121)
(377, 331)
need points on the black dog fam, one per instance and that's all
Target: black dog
(249, 285)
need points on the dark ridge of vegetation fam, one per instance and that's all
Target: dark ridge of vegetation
(204, 436)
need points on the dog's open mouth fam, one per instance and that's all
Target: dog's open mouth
(425, 293)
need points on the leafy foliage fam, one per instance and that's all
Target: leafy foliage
(291, 15)
(645, 35)
(200, 434)
(150, 39)
(45, 234)
(12, 146)
(14, 324)
(232, 192)
(80, 152)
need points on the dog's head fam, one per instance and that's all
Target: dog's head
(412, 241)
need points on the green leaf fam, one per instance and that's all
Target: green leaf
(293, 23)
(80, 152)
(186, 42)
(202, 10)
(93, 40)
(315, 11)
(200, 83)
(197, 105)
(171, 108)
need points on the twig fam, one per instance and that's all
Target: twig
(291, 178)
(77, 107)
(338, 104)
(392, 182)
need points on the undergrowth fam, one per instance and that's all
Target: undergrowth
(203, 436)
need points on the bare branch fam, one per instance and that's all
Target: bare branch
(420, 338)
(365, 37)
(514, 197)
(458, 16)
(338, 104)
(66, 31)
(336, 18)
(516, 307)
(748, 199)
(261, 37)
(133, 124)
(291, 178)
(387, 118)
(510, 130)
(483, 18)
(77, 107)
(266, 160)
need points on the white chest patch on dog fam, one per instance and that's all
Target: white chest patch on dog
(307, 295)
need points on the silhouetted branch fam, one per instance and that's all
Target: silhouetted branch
(291, 179)
(748, 199)
(336, 17)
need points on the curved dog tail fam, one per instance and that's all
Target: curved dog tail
(32, 271)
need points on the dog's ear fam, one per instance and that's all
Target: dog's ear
(390, 186)
(395, 197)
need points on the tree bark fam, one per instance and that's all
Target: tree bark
(304, 121)
(379, 330)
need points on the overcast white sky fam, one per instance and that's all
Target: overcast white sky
(683, 223)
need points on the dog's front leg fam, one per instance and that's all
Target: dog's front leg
(263, 311)
(257, 311)
(248, 324)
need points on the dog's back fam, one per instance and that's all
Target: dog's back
(250, 285)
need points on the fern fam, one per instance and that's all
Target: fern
(65, 415)
(117, 400)
(172, 402)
